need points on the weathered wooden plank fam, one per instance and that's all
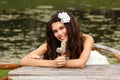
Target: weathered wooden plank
(101, 72)
(65, 78)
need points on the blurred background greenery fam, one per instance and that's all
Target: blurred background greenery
(23, 22)
(58, 4)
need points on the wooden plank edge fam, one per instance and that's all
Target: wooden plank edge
(4, 66)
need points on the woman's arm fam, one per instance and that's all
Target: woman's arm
(34, 59)
(87, 47)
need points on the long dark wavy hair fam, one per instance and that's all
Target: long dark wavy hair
(74, 43)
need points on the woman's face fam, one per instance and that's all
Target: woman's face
(59, 31)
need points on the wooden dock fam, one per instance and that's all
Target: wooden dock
(90, 72)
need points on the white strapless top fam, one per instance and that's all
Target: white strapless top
(97, 58)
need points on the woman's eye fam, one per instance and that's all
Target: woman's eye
(54, 31)
(62, 27)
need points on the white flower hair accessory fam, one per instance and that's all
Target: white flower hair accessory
(65, 18)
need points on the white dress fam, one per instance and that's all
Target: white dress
(97, 58)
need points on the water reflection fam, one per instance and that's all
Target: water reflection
(25, 31)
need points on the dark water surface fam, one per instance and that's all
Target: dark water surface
(22, 32)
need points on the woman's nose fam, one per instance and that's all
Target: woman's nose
(59, 32)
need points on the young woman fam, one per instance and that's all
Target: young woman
(62, 28)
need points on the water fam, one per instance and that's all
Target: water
(22, 32)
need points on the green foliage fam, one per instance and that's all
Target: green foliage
(3, 73)
(58, 4)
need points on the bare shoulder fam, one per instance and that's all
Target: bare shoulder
(86, 36)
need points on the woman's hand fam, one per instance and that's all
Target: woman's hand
(60, 61)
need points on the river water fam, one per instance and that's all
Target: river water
(22, 32)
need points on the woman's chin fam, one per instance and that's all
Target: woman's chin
(64, 40)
